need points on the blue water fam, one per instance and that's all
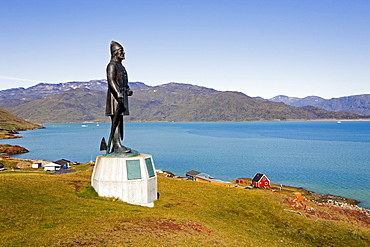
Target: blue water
(325, 157)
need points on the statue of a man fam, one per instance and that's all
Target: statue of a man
(117, 97)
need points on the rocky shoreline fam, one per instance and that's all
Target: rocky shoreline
(328, 198)
(336, 201)
(12, 149)
(12, 134)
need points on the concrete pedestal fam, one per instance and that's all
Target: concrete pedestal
(130, 179)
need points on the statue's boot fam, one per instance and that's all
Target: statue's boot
(118, 148)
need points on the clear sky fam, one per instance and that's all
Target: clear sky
(261, 48)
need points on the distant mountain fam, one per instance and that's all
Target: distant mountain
(359, 104)
(168, 102)
(186, 102)
(17, 96)
(75, 105)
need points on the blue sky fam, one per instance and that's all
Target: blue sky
(261, 48)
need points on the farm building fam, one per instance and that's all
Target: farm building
(65, 164)
(191, 174)
(36, 165)
(202, 177)
(52, 167)
(57, 165)
(260, 181)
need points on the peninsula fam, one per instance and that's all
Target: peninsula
(10, 125)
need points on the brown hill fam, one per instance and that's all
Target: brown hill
(11, 124)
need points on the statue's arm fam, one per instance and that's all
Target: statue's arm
(129, 92)
(111, 75)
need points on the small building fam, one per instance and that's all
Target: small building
(64, 164)
(36, 165)
(260, 181)
(202, 177)
(191, 174)
(57, 165)
(52, 167)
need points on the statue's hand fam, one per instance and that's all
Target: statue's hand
(120, 101)
(129, 92)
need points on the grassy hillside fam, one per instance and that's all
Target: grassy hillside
(10, 124)
(49, 210)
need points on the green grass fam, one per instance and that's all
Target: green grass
(82, 167)
(38, 209)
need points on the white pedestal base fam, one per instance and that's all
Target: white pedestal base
(130, 179)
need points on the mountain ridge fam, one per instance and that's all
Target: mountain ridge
(17, 96)
(166, 102)
(85, 102)
(359, 104)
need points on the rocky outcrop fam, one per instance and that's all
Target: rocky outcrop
(11, 134)
(12, 149)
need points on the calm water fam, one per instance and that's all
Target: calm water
(325, 157)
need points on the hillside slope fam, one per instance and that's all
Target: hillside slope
(61, 210)
(76, 105)
(11, 124)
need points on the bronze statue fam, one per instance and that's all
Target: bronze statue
(117, 99)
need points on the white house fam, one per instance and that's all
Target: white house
(52, 167)
(64, 164)
(36, 165)
(57, 165)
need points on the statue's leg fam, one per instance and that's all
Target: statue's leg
(117, 146)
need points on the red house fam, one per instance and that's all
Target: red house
(260, 181)
(241, 181)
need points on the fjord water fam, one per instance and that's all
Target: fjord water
(325, 157)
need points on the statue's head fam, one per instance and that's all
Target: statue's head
(117, 50)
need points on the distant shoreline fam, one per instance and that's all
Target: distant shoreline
(275, 120)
